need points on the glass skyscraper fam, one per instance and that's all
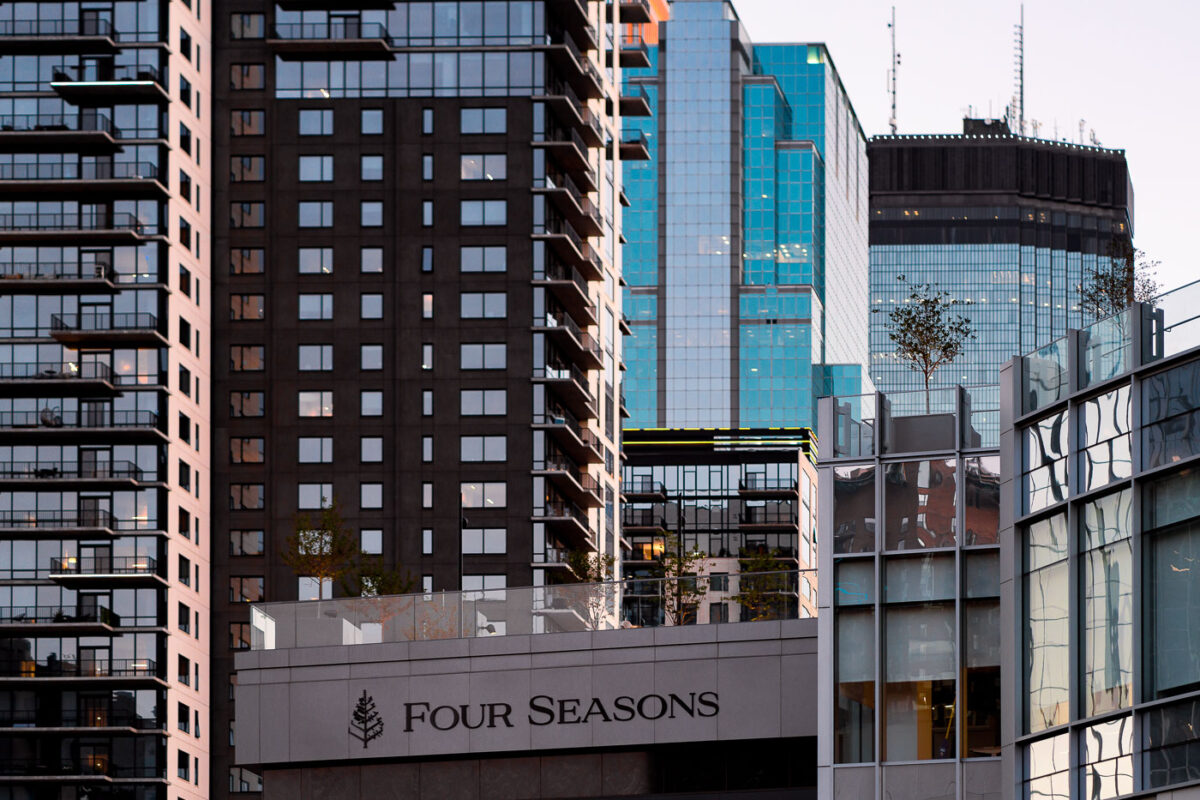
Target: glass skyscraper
(747, 229)
(1009, 225)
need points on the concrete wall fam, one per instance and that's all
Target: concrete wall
(752, 680)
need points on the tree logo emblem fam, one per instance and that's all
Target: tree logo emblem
(365, 722)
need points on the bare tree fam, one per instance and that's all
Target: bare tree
(682, 587)
(325, 548)
(762, 586)
(596, 573)
(926, 331)
(1127, 277)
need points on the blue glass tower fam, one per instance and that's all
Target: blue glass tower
(747, 255)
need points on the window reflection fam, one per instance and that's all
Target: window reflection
(919, 504)
(919, 699)
(854, 509)
(1106, 576)
(981, 498)
(1171, 409)
(854, 725)
(1106, 456)
(1045, 478)
(1047, 628)
(1173, 502)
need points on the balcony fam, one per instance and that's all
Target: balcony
(633, 146)
(576, 67)
(633, 52)
(572, 438)
(569, 288)
(107, 570)
(38, 378)
(86, 131)
(18, 277)
(344, 5)
(759, 518)
(21, 620)
(91, 522)
(103, 177)
(75, 720)
(622, 405)
(98, 768)
(571, 203)
(762, 486)
(643, 520)
(570, 384)
(644, 490)
(567, 521)
(569, 479)
(632, 12)
(108, 83)
(635, 103)
(97, 425)
(138, 669)
(324, 40)
(119, 228)
(51, 474)
(570, 340)
(573, 112)
(87, 35)
(573, 16)
(569, 151)
(107, 328)
(623, 324)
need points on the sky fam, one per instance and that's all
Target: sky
(1129, 69)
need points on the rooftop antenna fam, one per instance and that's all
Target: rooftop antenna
(1019, 69)
(892, 72)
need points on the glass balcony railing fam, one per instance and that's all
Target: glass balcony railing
(87, 171)
(90, 122)
(77, 26)
(56, 271)
(49, 417)
(51, 615)
(55, 667)
(541, 609)
(56, 370)
(103, 565)
(60, 470)
(103, 321)
(77, 222)
(351, 30)
(77, 718)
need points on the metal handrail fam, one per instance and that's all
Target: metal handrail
(70, 469)
(92, 121)
(72, 222)
(50, 615)
(94, 518)
(330, 31)
(58, 27)
(56, 370)
(104, 321)
(108, 668)
(56, 270)
(53, 418)
(103, 565)
(112, 72)
(87, 171)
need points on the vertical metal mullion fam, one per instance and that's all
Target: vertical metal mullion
(1074, 629)
(880, 659)
(961, 408)
(1136, 555)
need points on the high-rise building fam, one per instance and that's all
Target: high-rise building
(747, 254)
(1010, 226)
(418, 262)
(104, 392)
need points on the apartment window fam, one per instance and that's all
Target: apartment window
(427, 356)
(427, 305)
(246, 26)
(315, 260)
(314, 495)
(246, 497)
(246, 590)
(427, 449)
(427, 402)
(371, 122)
(370, 214)
(483, 448)
(184, 618)
(371, 306)
(427, 494)
(427, 213)
(484, 495)
(246, 307)
(316, 122)
(185, 138)
(482, 356)
(183, 670)
(185, 227)
(185, 186)
(427, 541)
(370, 260)
(426, 121)
(370, 356)
(185, 44)
(315, 450)
(483, 402)
(427, 583)
(315, 404)
(315, 358)
(185, 476)
(316, 169)
(185, 381)
(370, 495)
(426, 259)
(483, 259)
(484, 541)
(185, 281)
(183, 763)
(246, 261)
(370, 449)
(483, 305)
(426, 167)
(239, 636)
(371, 168)
(371, 541)
(246, 76)
(246, 358)
(316, 306)
(484, 120)
(246, 543)
(183, 571)
(247, 122)
(371, 404)
(247, 169)
(185, 91)
(246, 404)
(308, 588)
(483, 167)
(247, 450)
(185, 428)
(244, 215)
(483, 212)
(315, 214)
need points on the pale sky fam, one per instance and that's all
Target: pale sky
(1129, 69)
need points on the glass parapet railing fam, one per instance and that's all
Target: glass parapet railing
(757, 596)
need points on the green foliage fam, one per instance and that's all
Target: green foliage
(762, 586)
(324, 547)
(1128, 277)
(682, 588)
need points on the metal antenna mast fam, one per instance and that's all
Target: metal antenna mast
(892, 72)
(1019, 43)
